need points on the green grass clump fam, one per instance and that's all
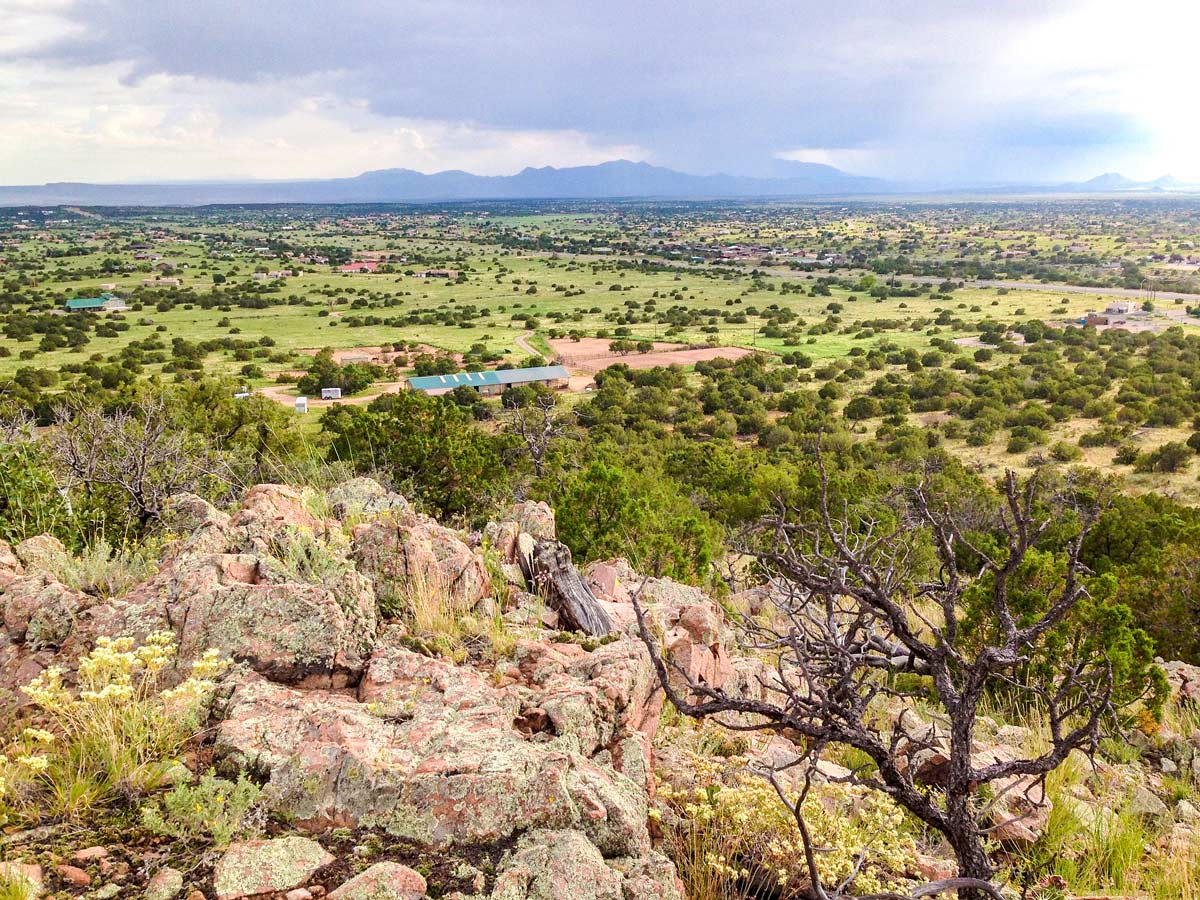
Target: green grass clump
(213, 810)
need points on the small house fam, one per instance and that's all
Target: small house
(1120, 308)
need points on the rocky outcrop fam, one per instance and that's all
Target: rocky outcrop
(692, 625)
(421, 557)
(428, 751)
(249, 608)
(545, 759)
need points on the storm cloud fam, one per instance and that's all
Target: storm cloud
(922, 90)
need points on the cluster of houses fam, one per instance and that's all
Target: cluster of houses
(1115, 315)
(699, 253)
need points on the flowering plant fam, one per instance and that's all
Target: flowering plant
(117, 731)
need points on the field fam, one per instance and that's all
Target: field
(261, 291)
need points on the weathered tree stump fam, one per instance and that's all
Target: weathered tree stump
(550, 571)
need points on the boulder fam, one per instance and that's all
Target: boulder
(245, 605)
(201, 527)
(382, 881)
(430, 753)
(562, 865)
(40, 612)
(556, 865)
(40, 552)
(419, 557)
(267, 515)
(1184, 680)
(366, 498)
(250, 868)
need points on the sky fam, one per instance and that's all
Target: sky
(960, 92)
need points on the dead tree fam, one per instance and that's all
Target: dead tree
(853, 609)
(551, 571)
(538, 427)
(138, 450)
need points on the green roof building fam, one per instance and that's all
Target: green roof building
(97, 304)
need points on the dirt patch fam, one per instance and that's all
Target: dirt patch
(285, 394)
(377, 355)
(591, 355)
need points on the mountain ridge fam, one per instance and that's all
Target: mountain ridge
(611, 180)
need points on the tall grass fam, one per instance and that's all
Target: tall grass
(103, 570)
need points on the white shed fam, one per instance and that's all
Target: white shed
(301, 404)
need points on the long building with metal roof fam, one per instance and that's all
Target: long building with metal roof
(490, 382)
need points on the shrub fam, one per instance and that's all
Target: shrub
(29, 499)
(1170, 457)
(730, 836)
(117, 734)
(213, 810)
(105, 571)
(1064, 452)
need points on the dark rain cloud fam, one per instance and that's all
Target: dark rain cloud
(702, 85)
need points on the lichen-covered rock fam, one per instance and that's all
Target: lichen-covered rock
(166, 884)
(562, 865)
(268, 513)
(199, 526)
(40, 552)
(382, 881)
(27, 873)
(430, 754)
(558, 865)
(245, 606)
(10, 566)
(419, 557)
(366, 498)
(263, 867)
(40, 612)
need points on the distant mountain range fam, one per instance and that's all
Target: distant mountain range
(619, 179)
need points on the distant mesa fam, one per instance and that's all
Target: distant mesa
(614, 180)
(619, 179)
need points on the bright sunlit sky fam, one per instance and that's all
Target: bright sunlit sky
(959, 92)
